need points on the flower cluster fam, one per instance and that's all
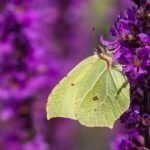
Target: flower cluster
(131, 49)
(132, 45)
(29, 69)
(25, 70)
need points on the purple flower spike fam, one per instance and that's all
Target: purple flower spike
(132, 50)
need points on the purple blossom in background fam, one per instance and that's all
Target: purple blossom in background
(34, 46)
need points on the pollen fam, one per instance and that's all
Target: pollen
(137, 62)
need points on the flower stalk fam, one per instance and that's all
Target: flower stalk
(146, 104)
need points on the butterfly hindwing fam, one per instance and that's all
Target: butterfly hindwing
(101, 106)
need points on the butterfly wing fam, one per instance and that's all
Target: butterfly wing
(100, 106)
(61, 101)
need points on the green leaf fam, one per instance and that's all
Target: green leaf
(90, 94)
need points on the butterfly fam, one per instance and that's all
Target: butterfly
(89, 93)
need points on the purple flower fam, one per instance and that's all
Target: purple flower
(144, 38)
(135, 61)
